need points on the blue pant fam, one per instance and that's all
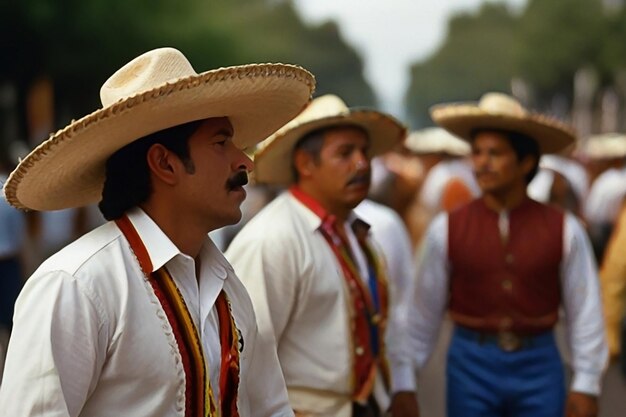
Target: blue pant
(485, 381)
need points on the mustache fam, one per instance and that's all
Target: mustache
(238, 179)
(360, 178)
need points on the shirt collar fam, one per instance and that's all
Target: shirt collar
(159, 247)
(162, 250)
(313, 213)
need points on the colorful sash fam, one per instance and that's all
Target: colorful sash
(199, 397)
(369, 304)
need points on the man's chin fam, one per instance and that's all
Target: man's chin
(229, 220)
(355, 199)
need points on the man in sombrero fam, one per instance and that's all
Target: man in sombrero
(502, 267)
(317, 284)
(144, 316)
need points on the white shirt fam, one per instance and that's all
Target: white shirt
(572, 170)
(606, 196)
(540, 187)
(298, 291)
(440, 175)
(91, 339)
(392, 239)
(581, 303)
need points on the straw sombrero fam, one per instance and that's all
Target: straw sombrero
(606, 146)
(273, 158)
(154, 91)
(436, 140)
(503, 112)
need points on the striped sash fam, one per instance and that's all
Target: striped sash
(199, 397)
(369, 302)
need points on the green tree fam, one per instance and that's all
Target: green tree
(276, 33)
(477, 55)
(79, 44)
(556, 39)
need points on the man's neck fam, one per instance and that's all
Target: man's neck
(505, 200)
(187, 237)
(340, 212)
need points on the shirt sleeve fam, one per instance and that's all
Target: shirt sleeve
(583, 309)
(266, 386)
(613, 279)
(412, 335)
(57, 348)
(267, 271)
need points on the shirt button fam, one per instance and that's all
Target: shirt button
(359, 350)
(509, 258)
(220, 272)
(507, 285)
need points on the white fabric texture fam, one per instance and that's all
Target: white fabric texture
(573, 171)
(606, 196)
(298, 292)
(91, 338)
(392, 239)
(581, 304)
(439, 175)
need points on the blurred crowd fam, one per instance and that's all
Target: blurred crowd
(429, 173)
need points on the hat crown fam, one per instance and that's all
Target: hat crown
(434, 140)
(328, 105)
(147, 71)
(322, 107)
(501, 104)
(607, 145)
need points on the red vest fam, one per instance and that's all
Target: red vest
(512, 285)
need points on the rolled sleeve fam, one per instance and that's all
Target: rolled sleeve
(583, 310)
(412, 336)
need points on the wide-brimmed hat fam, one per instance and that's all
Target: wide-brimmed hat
(502, 112)
(436, 140)
(273, 163)
(154, 91)
(605, 146)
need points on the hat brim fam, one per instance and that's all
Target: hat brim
(68, 169)
(551, 135)
(273, 163)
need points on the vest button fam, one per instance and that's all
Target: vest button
(509, 258)
(507, 285)
(506, 323)
(359, 350)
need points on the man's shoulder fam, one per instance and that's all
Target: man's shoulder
(92, 248)
(373, 212)
(472, 207)
(278, 220)
(553, 211)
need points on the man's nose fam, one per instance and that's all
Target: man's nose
(479, 160)
(243, 162)
(361, 162)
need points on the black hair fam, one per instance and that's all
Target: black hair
(127, 175)
(523, 146)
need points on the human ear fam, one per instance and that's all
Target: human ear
(304, 163)
(162, 164)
